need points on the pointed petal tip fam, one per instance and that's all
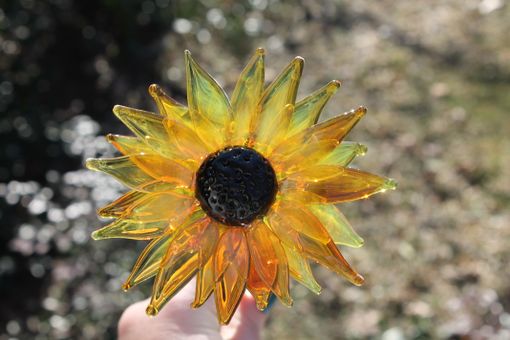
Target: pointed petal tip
(92, 164)
(110, 137)
(361, 149)
(95, 235)
(288, 108)
(333, 86)
(299, 62)
(126, 286)
(117, 110)
(358, 280)
(151, 310)
(260, 51)
(360, 111)
(154, 90)
(389, 184)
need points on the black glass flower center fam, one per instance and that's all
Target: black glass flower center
(236, 185)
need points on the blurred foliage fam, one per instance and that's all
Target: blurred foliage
(434, 75)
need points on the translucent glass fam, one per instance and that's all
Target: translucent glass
(269, 260)
(337, 225)
(159, 164)
(246, 96)
(231, 270)
(278, 94)
(190, 249)
(122, 169)
(349, 185)
(308, 110)
(206, 99)
(300, 270)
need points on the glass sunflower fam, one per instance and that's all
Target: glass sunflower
(238, 192)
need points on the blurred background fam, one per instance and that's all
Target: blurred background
(435, 77)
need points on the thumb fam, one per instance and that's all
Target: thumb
(177, 320)
(247, 322)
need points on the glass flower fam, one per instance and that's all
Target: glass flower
(238, 192)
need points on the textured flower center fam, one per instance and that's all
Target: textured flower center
(236, 185)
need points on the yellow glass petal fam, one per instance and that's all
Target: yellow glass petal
(349, 185)
(329, 256)
(269, 260)
(182, 259)
(334, 129)
(121, 204)
(122, 169)
(190, 145)
(147, 264)
(231, 268)
(300, 269)
(258, 289)
(314, 173)
(128, 145)
(273, 131)
(309, 154)
(246, 96)
(298, 217)
(148, 127)
(155, 207)
(287, 235)
(338, 127)
(289, 193)
(344, 154)
(164, 169)
(131, 230)
(308, 110)
(166, 105)
(280, 92)
(205, 283)
(206, 99)
(337, 225)
(161, 186)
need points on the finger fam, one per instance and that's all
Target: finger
(247, 322)
(176, 320)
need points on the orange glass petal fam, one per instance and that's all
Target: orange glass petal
(349, 185)
(269, 260)
(231, 270)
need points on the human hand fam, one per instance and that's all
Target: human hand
(177, 320)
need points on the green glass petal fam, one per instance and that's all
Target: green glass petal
(131, 230)
(337, 225)
(166, 206)
(122, 169)
(280, 92)
(344, 154)
(300, 270)
(308, 110)
(147, 264)
(166, 105)
(118, 207)
(206, 99)
(246, 96)
(128, 145)
(147, 126)
(273, 131)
